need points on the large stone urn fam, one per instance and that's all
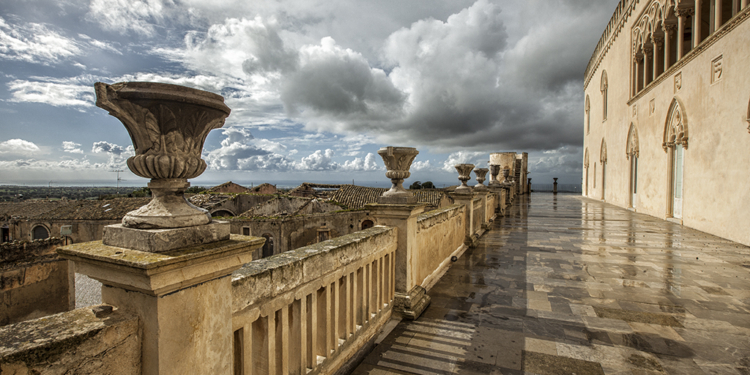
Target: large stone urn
(168, 125)
(464, 175)
(481, 173)
(397, 163)
(506, 173)
(494, 172)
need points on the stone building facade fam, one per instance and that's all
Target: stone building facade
(667, 95)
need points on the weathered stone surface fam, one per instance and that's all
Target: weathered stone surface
(74, 342)
(161, 240)
(398, 161)
(167, 125)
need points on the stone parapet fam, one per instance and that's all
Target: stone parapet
(83, 341)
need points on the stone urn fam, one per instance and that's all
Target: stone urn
(397, 162)
(464, 175)
(494, 172)
(481, 173)
(506, 173)
(168, 125)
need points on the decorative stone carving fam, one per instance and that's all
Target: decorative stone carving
(717, 69)
(494, 172)
(398, 161)
(676, 129)
(677, 82)
(651, 107)
(481, 173)
(632, 147)
(464, 175)
(168, 125)
(506, 173)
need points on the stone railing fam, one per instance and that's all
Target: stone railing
(440, 235)
(311, 309)
(83, 341)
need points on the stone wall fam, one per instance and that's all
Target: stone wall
(73, 342)
(440, 234)
(290, 233)
(34, 282)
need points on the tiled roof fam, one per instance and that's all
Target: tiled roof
(112, 209)
(356, 197)
(257, 188)
(26, 209)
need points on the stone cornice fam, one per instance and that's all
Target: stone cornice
(737, 20)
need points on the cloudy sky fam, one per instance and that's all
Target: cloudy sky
(315, 87)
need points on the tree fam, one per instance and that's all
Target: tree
(195, 190)
(416, 185)
(428, 185)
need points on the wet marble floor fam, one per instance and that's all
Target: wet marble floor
(568, 285)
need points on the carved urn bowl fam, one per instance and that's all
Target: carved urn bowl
(168, 125)
(506, 173)
(464, 175)
(481, 173)
(397, 162)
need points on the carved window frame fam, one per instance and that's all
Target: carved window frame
(587, 108)
(632, 147)
(675, 126)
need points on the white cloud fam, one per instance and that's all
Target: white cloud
(117, 154)
(370, 162)
(18, 147)
(318, 161)
(419, 166)
(479, 159)
(52, 93)
(139, 16)
(35, 43)
(241, 151)
(72, 147)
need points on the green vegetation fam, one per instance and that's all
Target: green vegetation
(13, 193)
(419, 185)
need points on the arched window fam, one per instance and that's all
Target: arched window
(367, 224)
(39, 232)
(268, 246)
(604, 87)
(748, 117)
(675, 143)
(586, 168)
(588, 114)
(631, 153)
(603, 160)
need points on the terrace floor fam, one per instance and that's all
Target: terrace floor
(569, 285)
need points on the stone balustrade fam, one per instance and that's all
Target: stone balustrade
(310, 310)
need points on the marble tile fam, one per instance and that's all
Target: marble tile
(564, 285)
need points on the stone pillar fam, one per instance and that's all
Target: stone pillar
(647, 56)
(467, 200)
(681, 14)
(529, 187)
(668, 35)
(168, 262)
(183, 301)
(554, 186)
(410, 299)
(399, 208)
(658, 54)
(718, 13)
(697, 23)
(743, 4)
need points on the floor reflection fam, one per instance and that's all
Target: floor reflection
(566, 285)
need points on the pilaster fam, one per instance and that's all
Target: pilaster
(410, 299)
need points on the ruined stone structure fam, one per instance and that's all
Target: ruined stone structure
(666, 113)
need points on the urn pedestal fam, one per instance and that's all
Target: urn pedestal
(397, 162)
